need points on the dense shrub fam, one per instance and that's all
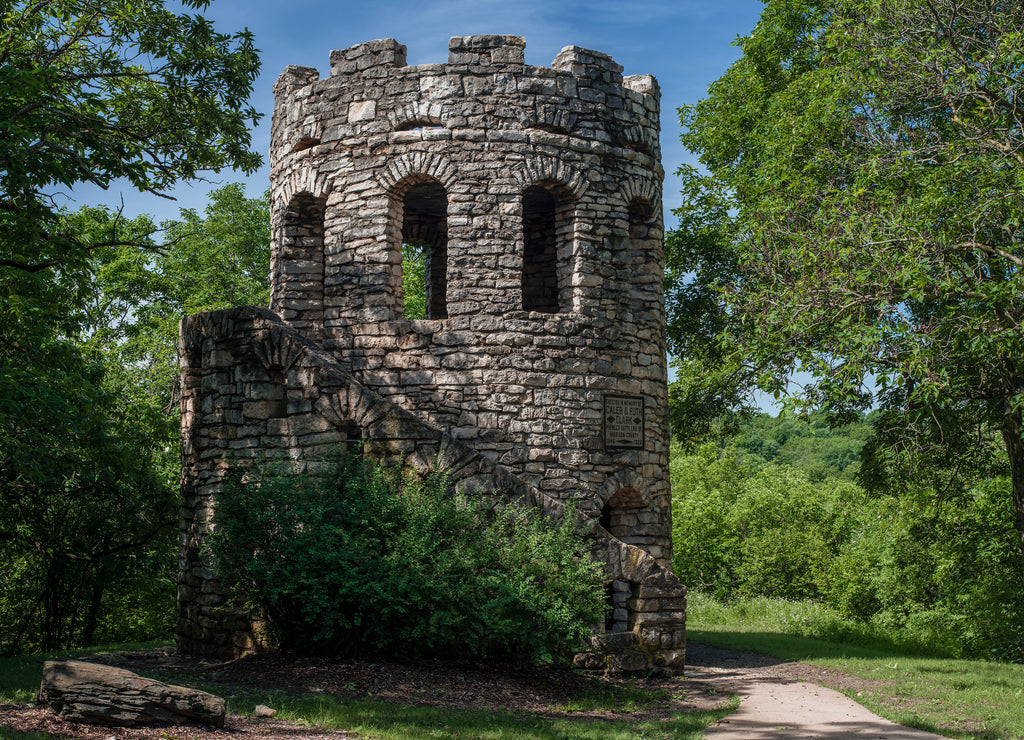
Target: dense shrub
(940, 574)
(351, 558)
(741, 528)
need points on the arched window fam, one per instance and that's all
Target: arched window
(425, 251)
(540, 250)
(639, 213)
(626, 517)
(644, 246)
(298, 265)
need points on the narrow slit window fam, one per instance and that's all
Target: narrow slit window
(642, 246)
(425, 251)
(540, 250)
(298, 265)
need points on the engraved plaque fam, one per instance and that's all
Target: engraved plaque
(624, 421)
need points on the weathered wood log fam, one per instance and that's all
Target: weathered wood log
(104, 695)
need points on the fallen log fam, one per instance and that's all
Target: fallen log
(103, 695)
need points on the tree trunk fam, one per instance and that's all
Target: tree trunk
(1012, 436)
(92, 617)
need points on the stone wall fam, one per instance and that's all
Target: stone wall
(256, 389)
(536, 193)
(526, 387)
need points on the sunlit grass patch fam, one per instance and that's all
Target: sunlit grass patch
(20, 675)
(387, 721)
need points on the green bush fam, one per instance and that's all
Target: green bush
(940, 574)
(740, 528)
(351, 558)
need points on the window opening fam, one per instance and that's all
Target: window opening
(297, 287)
(414, 280)
(550, 128)
(623, 516)
(639, 212)
(540, 250)
(640, 242)
(425, 252)
(637, 146)
(353, 437)
(277, 394)
(305, 142)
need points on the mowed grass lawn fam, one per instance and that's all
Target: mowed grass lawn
(957, 698)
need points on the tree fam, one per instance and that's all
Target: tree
(865, 170)
(88, 444)
(209, 261)
(97, 90)
(93, 91)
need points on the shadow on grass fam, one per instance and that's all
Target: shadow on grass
(387, 721)
(9, 733)
(793, 647)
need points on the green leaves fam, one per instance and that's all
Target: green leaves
(349, 557)
(96, 90)
(872, 157)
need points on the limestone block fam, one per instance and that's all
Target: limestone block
(588, 661)
(104, 695)
(627, 662)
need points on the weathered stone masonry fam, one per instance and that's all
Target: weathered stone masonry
(539, 374)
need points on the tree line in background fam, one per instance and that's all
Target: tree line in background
(775, 510)
(852, 243)
(856, 220)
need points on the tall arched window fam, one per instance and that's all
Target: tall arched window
(540, 250)
(298, 264)
(644, 244)
(425, 251)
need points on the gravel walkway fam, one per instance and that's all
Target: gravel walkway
(776, 701)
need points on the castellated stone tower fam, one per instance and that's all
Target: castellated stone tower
(538, 373)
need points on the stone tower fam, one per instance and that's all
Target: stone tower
(532, 195)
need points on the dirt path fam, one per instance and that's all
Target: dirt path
(777, 700)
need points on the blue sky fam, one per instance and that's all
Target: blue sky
(686, 44)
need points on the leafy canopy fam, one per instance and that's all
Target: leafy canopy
(864, 175)
(93, 91)
(97, 90)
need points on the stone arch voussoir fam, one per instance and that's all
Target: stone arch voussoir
(647, 191)
(275, 351)
(399, 170)
(540, 169)
(623, 479)
(303, 180)
(417, 111)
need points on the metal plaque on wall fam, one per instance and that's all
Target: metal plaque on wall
(624, 421)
